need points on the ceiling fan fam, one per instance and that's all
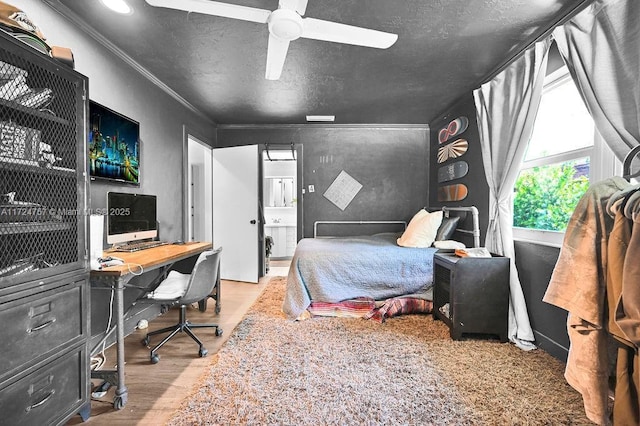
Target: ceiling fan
(285, 25)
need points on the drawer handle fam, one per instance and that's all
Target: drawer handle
(41, 326)
(42, 401)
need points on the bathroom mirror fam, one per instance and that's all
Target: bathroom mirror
(279, 192)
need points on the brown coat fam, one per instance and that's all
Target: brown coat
(578, 285)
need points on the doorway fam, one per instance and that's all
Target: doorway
(281, 202)
(198, 202)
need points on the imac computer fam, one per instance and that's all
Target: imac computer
(130, 217)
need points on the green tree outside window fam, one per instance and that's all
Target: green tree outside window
(546, 196)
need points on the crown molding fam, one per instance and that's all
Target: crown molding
(76, 20)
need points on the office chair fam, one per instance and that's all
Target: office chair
(181, 290)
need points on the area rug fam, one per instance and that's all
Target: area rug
(351, 371)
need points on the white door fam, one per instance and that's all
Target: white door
(235, 211)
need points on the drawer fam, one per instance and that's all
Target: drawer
(41, 323)
(49, 395)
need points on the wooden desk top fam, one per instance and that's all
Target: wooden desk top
(150, 258)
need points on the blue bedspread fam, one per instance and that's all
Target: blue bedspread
(337, 269)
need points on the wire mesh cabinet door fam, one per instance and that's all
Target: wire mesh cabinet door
(43, 247)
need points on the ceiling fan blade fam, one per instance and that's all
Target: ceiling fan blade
(300, 6)
(215, 8)
(276, 54)
(318, 29)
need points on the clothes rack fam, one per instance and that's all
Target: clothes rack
(626, 165)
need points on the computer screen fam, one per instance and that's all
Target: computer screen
(130, 217)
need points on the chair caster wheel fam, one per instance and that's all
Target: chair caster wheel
(155, 359)
(203, 352)
(118, 403)
(145, 341)
(218, 331)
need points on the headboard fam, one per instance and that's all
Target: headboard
(401, 225)
(475, 231)
(387, 224)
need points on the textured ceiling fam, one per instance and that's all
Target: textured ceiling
(445, 49)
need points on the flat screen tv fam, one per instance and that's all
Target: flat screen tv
(130, 217)
(114, 146)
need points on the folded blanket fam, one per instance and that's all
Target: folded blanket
(400, 306)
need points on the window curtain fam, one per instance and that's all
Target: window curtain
(506, 108)
(601, 47)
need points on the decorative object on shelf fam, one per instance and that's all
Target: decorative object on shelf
(18, 141)
(453, 150)
(46, 157)
(36, 98)
(14, 87)
(13, 81)
(455, 192)
(454, 128)
(7, 198)
(453, 171)
(29, 264)
(16, 22)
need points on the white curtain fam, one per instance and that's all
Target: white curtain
(601, 47)
(506, 108)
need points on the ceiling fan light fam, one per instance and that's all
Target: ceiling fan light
(118, 6)
(285, 24)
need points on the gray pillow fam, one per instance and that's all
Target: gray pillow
(447, 228)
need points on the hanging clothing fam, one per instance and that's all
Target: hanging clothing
(627, 313)
(625, 406)
(578, 285)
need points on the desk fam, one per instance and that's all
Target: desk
(117, 277)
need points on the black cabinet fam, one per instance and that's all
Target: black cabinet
(44, 286)
(471, 295)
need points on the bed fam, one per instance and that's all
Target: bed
(369, 276)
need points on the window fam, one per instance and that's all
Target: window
(564, 154)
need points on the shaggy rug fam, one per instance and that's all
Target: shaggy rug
(345, 371)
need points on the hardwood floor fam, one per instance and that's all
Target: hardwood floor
(156, 390)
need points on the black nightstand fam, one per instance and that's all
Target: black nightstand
(471, 294)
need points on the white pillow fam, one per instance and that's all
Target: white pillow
(449, 244)
(422, 229)
(173, 287)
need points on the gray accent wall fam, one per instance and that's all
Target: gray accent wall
(391, 163)
(535, 263)
(475, 180)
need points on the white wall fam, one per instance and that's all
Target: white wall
(117, 85)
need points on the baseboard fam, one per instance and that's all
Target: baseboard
(552, 347)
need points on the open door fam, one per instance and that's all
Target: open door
(235, 211)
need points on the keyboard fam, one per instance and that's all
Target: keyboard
(130, 248)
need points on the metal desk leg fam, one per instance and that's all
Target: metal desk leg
(120, 398)
(116, 377)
